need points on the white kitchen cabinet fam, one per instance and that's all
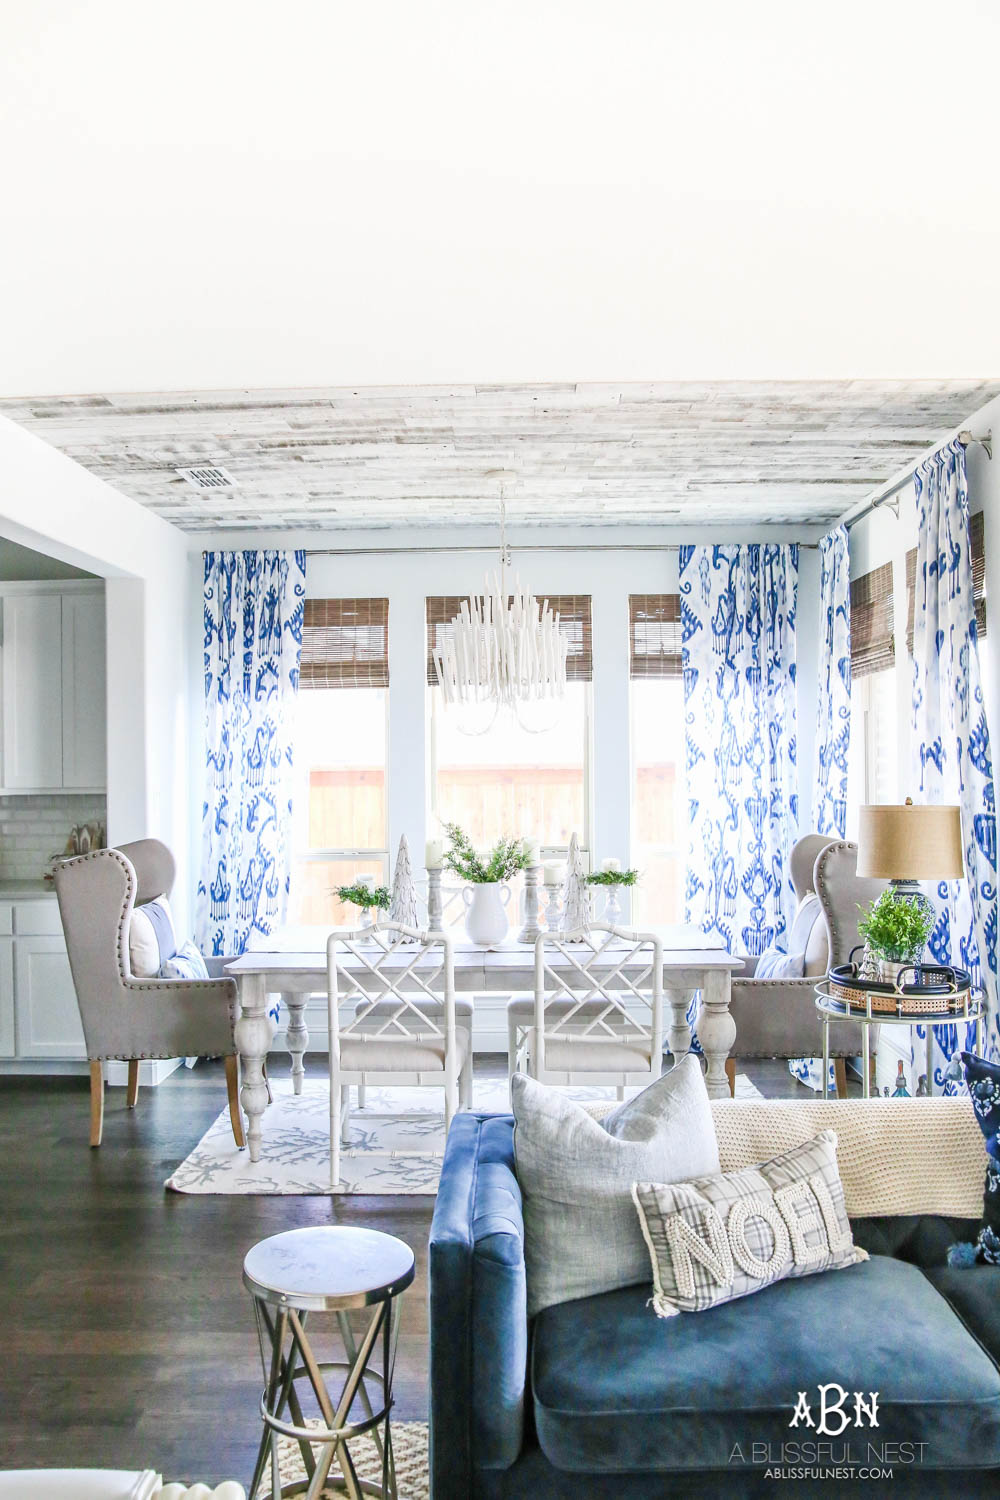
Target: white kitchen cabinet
(46, 1012)
(7, 1034)
(84, 715)
(54, 694)
(32, 691)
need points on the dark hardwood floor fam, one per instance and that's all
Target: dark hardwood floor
(127, 1335)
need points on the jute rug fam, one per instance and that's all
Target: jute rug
(395, 1144)
(409, 1446)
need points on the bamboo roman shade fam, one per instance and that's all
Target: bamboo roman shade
(654, 622)
(873, 646)
(345, 644)
(574, 621)
(978, 580)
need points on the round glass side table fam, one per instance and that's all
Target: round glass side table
(292, 1277)
(832, 1009)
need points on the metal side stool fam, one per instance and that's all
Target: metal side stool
(326, 1270)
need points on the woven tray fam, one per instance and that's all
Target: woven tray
(886, 1000)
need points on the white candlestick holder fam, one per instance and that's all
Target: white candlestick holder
(435, 901)
(531, 930)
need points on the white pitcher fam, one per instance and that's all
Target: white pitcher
(485, 912)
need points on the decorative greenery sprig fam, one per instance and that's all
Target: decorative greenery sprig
(362, 895)
(896, 926)
(505, 858)
(612, 877)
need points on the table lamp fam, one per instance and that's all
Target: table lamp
(907, 844)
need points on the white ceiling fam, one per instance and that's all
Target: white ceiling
(244, 195)
(380, 458)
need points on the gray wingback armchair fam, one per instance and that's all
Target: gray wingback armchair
(777, 1017)
(123, 1017)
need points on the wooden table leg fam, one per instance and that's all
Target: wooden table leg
(679, 1032)
(716, 1031)
(297, 1036)
(253, 1037)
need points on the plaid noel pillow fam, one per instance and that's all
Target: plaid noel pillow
(714, 1239)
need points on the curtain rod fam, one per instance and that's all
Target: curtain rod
(885, 494)
(511, 547)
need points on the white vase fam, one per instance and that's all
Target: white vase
(485, 913)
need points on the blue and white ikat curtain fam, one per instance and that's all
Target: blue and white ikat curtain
(833, 704)
(254, 606)
(951, 744)
(738, 641)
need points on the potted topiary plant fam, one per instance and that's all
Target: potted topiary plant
(486, 894)
(895, 928)
(367, 895)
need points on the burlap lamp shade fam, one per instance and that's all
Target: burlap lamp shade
(911, 843)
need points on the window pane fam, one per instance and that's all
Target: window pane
(658, 826)
(314, 882)
(511, 781)
(872, 764)
(340, 769)
(339, 798)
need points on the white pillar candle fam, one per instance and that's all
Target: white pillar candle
(611, 864)
(554, 873)
(532, 851)
(434, 854)
(368, 881)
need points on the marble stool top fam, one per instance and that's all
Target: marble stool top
(328, 1268)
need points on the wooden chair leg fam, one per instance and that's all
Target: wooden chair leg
(132, 1092)
(233, 1092)
(840, 1074)
(96, 1102)
(731, 1075)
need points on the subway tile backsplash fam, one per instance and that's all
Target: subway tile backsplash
(32, 829)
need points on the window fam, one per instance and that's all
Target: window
(339, 810)
(657, 706)
(872, 760)
(511, 780)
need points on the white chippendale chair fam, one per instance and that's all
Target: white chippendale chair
(589, 1020)
(403, 1029)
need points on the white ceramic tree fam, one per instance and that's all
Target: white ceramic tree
(576, 897)
(403, 907)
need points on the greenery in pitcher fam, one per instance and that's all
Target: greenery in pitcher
(364, 895)
(612, 877)
(896, 927)
(502, 863)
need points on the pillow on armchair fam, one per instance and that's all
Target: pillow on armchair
(151, 938)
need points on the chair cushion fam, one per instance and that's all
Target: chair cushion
(363, 1053)
(151, 938)
(616, 1388)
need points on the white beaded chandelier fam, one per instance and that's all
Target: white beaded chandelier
(503, 648)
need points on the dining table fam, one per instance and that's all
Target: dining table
(291, 965)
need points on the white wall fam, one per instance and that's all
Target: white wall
(51, 504)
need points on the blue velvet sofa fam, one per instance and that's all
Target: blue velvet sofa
(601, 1400)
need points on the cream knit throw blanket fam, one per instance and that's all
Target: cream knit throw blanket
(896, 1156)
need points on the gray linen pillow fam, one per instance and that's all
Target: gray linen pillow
(581, 1231)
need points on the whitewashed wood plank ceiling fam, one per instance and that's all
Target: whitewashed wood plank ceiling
(581, 454)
